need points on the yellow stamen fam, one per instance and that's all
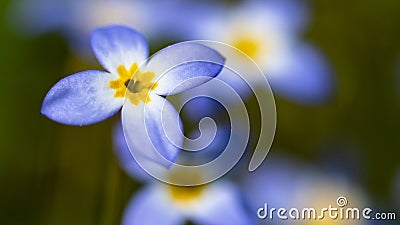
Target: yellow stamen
(184, 195)
(133, 84)
(250, 46)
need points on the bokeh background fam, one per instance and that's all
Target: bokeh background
(57, 174)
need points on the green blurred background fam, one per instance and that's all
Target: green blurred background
(56, 174)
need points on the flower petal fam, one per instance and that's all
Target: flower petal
(183, 66)
(210, 99)
(276, 14)
(206, 143)
(305, 78)
(151, 206)
(81, 99)
(119, 45)
(273, 182)
(153, 130)
(124, 156)
(222, 201)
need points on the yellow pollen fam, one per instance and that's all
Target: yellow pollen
(250, 46)
(133, 84)
(184, 195)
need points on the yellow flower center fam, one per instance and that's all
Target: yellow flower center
(133, 84)
(251, 46)
(184, 195)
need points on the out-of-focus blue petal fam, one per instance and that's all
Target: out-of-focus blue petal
(223, 206)
(153, 131)
(272, 183)
(119, 45)
(290, 15)
(225, 91)
(211, 142)
(150, 206)
(284, 183)
(305, 78)
(76, 19)
(183, 66)
(267, 16)
(81, 99)
(35, 17)
(183, 19)
(124, 156)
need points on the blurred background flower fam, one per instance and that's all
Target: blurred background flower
(54, 174)
(287, 183)
(159, 203)
(270, 32)
(76, 19)
(162, 203)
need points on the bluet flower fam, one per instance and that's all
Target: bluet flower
(219, 202)
(159, 203)
(270, 33)
(286, 183)
(75, 19)
(91, 96)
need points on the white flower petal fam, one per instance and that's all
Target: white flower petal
(153, 130)
(81, 99)
(222, 205)
(119, 45)
(150, 206)
(124, 156)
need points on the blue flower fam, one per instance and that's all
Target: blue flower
(91, 96)
(124, 156)
(75, 19)
(285, 183)
(160, 203)
(269, 32)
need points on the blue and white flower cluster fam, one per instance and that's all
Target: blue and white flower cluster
(219, 202)
(268, 32)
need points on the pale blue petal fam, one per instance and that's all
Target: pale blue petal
(273, 183)
(119, 45)
(305, 78)
(224, 91)
(150, 206)
(183, 66)
(153, 131)
(124, 156)
(290, 15)
(212, 141)
(223, 206)
(81, 99)
(180, 17)
(36, 17)
(202, 107)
